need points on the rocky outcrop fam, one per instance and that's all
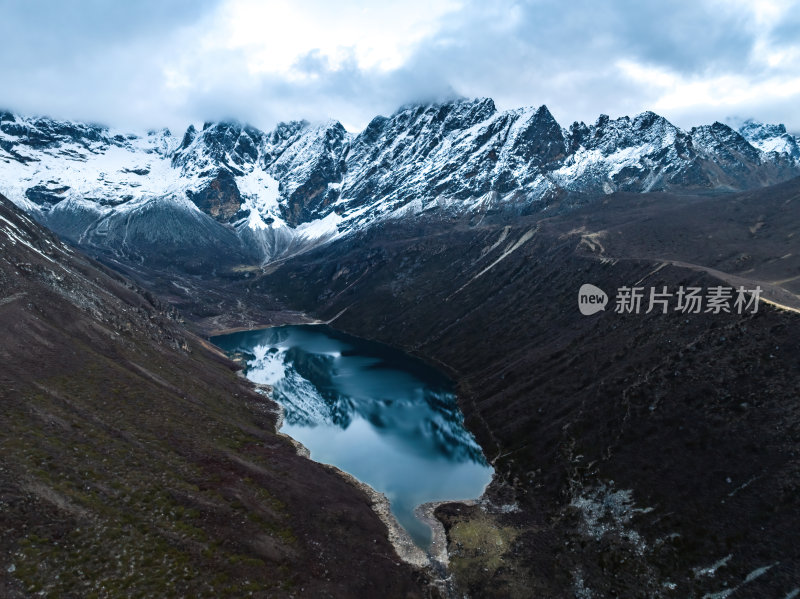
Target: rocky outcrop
(219, 198)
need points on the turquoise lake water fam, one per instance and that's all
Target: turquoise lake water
(385, 417)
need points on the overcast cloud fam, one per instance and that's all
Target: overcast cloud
(153, 63)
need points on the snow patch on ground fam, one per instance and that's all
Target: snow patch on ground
(757, 573)
(605, 511)
(320, 228)
(712, 569)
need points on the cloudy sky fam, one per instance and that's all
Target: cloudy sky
(170, 62)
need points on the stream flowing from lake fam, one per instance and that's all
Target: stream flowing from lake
(373, 411)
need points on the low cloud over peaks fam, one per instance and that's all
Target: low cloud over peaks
(151, 63)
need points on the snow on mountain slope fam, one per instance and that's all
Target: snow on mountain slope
(45, 162)
(770, 138)
(456, 151)
(127, 193)
(231, 193)
(645, 153)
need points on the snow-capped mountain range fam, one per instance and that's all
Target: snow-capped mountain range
(230, 192)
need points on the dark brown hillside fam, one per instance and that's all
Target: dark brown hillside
(134, 462)
(638, 455)
(753, 234)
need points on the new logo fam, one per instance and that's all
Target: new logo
(591, 299)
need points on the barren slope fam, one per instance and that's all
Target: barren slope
(135, 461)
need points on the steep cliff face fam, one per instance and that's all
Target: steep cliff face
(260, 196)
(220, 199)
(135, 461)
(310, 172)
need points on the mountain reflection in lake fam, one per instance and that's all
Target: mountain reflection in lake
(373, 411)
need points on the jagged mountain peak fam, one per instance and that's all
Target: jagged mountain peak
(163, 132)
(219, 144)
(610, 135)
(44, 132)
(719, 134)
(286, 129)
(310, 170)
(436, 118)
(459, 102)
(287, 133)
(537, 136)
(770, 138)
(649, 119)
(188, 137)
(753, 129)
(301, 182)
(720, 128)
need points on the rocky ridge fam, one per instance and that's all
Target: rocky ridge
(227, 194)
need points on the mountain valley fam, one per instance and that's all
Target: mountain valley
(635, 455)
